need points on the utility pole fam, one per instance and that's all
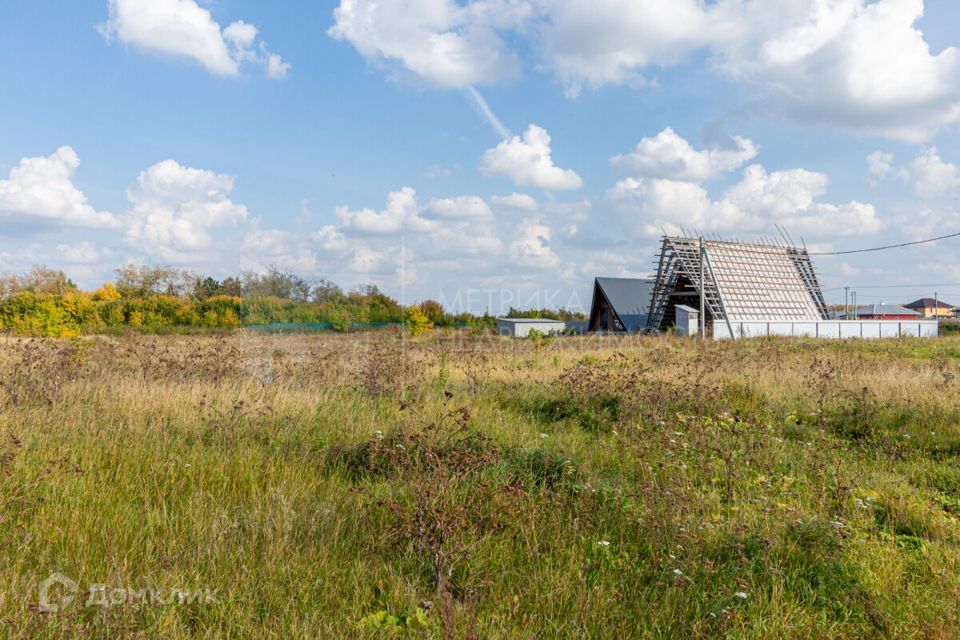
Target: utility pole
(703, 315)
(936, 306)
(853, 308)
(846, 302)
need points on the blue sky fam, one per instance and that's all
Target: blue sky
(348, 140)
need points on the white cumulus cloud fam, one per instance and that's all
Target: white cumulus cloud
(459, 208)
(668, 155)
(531, 245)
(42, 189)
(175, 208)
(879, 164)
(859, 65)
(933, 178)
(278, 247)
(654, 204)
(516, 201)
(759, 199)
(437, 41)
(856, 64)
(182, 28)
(400, 214)
(80, 253)
(779, 193)
(613, 41)
(527, 161)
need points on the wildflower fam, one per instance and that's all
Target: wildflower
(378, 434)
(187, 465)
(401, 447)
(543, 435)
(677, 572)
(742, 595)
(604, 543)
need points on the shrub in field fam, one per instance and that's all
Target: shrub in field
(541, 467)
(450, 444)
(34, 372)
(414, 625)
(417, 321)
(539, 338)
(54, 315)
(594, 414)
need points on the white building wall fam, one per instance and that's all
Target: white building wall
(515, 329)
(837, 329)
(688, 320)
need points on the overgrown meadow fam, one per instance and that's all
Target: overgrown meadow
(456, 486)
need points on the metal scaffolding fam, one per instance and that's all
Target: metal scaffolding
(735, 281)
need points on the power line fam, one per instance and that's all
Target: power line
(887, 297)
(897, 286)
(889, 246)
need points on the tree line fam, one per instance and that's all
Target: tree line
(46, 302)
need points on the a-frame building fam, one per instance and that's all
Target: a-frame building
(620, 304)
(740, 282)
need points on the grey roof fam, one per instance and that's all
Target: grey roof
(886, 309)
(538, 320)
(630, 299)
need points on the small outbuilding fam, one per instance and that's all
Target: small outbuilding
(521, 327)
(688, 320)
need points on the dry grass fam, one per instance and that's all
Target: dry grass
(455, 486)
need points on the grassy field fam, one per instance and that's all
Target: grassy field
(461, 487)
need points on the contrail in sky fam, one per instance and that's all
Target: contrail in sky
(488, 114)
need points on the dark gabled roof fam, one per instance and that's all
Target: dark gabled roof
(928, 303)
(630, 299)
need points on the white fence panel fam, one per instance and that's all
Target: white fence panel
(866, 329)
